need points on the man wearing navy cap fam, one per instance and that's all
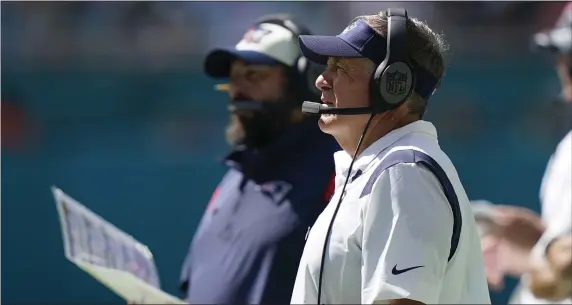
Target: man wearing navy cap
(399, 228)
(249, 242)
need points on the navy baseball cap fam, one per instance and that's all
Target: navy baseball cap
(559, 38)
(359, 40)
(263, 44)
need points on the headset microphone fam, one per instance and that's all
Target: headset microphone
(234, 106)
(319, 108)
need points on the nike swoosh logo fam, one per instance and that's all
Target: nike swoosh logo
(396, 271)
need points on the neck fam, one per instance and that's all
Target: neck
(379, 127)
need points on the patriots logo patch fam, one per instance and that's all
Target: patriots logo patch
(255, 34)
(276, 190)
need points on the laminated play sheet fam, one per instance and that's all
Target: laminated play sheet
(111, 256)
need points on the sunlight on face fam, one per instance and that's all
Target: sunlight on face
(344, 84)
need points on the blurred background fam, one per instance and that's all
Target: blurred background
(108, 101)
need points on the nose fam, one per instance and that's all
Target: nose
(236, 91)
(323, 83)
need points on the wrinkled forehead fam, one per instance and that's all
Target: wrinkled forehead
(350, 62)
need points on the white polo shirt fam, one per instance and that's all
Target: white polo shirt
(391, 238)
(556, 199)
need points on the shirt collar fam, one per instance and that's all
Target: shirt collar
(342, 159)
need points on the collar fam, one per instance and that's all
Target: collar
(342, 159)
(290, 144)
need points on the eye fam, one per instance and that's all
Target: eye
(332, 68)
(254, 76)
(250, 75)
(341, 70)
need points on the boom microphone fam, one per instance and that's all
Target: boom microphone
(245, 105)
(319, 108)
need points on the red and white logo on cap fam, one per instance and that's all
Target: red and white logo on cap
(272, 40)
(255, 34)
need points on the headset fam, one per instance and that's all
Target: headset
(304, 72)
(396, 66)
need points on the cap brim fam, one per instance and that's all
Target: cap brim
(318, 49)
(218, 62)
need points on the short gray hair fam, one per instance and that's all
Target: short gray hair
(425, 47)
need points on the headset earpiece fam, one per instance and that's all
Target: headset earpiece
(394, 79)
(395, 83)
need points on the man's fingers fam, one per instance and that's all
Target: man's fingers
(490, 247)
(489, 243)
(495, 280)
(504, 219)
(545, 283)
(559, 256)
(495, 274)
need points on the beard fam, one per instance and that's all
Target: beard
(234, 131)
(257, 129)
